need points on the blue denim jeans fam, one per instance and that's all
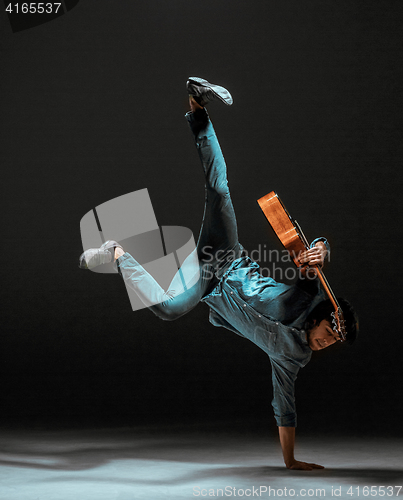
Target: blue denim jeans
(217, 244)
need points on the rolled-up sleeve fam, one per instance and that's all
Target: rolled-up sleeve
(283, 378)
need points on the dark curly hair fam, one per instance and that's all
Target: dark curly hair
(323, 311)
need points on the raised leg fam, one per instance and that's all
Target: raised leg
(182, 294)
(218, 240)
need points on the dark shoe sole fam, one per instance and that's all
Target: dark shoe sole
(220, 92)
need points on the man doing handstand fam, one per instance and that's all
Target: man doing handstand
(287, 322)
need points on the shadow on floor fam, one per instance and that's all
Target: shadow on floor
(208, 457)
(256, 475)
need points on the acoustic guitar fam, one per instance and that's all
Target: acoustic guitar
(291, 236)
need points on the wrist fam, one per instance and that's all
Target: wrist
(322, 246)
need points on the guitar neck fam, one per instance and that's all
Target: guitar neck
(327, 288)
(321, 275)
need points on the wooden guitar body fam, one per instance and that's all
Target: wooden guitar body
(283, 225)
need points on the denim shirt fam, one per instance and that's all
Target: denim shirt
(272, 316)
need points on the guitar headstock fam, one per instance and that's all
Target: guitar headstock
(339, 324)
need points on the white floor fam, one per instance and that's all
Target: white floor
(152, 464)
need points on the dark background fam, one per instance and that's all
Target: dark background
(92, 108)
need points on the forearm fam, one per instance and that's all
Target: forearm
(287, 441)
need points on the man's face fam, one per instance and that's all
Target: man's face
(321, 336)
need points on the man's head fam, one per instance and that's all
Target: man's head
(319, 326)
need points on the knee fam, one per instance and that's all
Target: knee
(220, 191)
(170, 315)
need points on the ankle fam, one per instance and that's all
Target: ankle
(118, 252)
(194, 105)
